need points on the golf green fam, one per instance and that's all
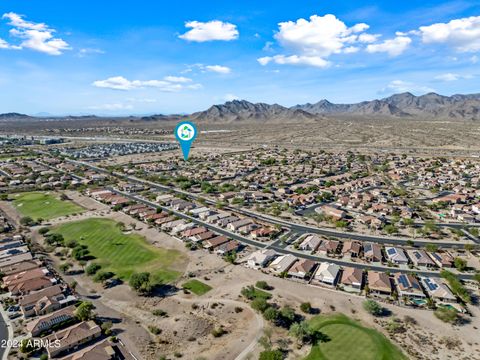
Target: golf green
(347, 339)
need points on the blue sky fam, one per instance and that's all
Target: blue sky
(143, 57)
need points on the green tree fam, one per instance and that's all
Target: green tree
(92, 269)
(460, 264)
(141, 283)
(27, 221)
(271, 314)
(84, 311)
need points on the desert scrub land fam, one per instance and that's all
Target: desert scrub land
(347, 339)
(122, 253)
(43, 205)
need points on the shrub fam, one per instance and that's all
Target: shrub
(262, 285)
(372, 307)
(154, 330)
(159, 312)
(306, 307)
(217, 332)
(102, 276)
(446, 315)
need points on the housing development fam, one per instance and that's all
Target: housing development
(250, 180)
(95, 250)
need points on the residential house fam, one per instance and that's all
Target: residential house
(372, 252)
(43, 301)
(351, 249)
(437, 290)
(236, 225)
(442, 259)
(227, 248)
(379, 283)
(71, 338)
(310, 243)
(203, 236)
(396, 255)
(419, 257)
(352, 279)
(215, 241)
(302, 268)
(282, 263)
(327, 273)
(328, 247)
(46, 322)
(260, 258)
(408, 286)
(24, 287)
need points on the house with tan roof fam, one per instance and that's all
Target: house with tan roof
(372, 252)
(328, 247)
(71, 338)
(352, 279)
(351, 249)
(438, 290)
(46, 322)
(420, 257)
(408, 286)
(102, 350)
(215, 241)
(302, 268)
(379, 283)
(43, 301)
(27, 286)
(20, 267)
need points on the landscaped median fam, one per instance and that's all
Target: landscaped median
(120, 253)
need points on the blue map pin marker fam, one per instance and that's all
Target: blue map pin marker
(185, 132)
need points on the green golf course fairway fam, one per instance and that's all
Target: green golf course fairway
(123, 254)
(350, 340)
(43, 205)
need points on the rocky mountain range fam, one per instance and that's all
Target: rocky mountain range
(404, 105)
(430, 105)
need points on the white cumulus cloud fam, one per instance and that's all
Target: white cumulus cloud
(461, 34)
(315, 61)
(218, 69)
(35, 36)
(393, 47)
(168, 84)
(209, 31)
(312, 41)
(452, 77)
(320, 36)
(400, 86)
